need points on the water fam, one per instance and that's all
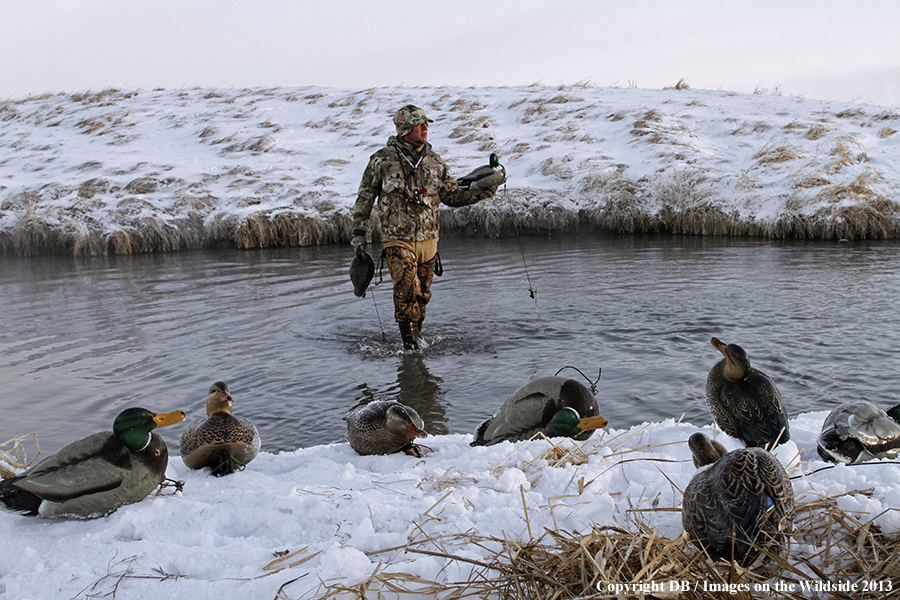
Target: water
(81, 338)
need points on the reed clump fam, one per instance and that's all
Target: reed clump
(829, 546)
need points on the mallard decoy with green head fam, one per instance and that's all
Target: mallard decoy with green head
(744, 401)
(223, 442)
(97, 474)
(554, 406)
(493, 169)
(385, 427)
(742, 503)
(859, 431)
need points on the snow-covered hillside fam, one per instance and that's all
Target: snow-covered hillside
(139, 171)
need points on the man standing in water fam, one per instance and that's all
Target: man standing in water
(411, 182)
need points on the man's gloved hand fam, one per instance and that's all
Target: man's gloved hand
(359, 241)
(494, 180)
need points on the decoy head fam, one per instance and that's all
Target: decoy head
(133, 426)
(401, 423)
(494, 160)
(737, 363)
(705, 450)
(566, 422)
(219, 399)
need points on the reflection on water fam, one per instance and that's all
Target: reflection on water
(81, 338)
(415, 387)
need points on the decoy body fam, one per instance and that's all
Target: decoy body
(362, 269)
(97, 474)
(744, 401)
(385, 427)
(221, 441)
(492, 168)
(555, 406)
(860, 431)
(744, 499)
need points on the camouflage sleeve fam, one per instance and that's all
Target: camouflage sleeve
(451, 195)
(369, 188)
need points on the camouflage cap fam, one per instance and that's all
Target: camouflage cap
(408, 117)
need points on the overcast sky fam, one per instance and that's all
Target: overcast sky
(824, 49)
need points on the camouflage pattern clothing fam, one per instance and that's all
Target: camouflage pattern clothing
(410, 184)
(412, 278)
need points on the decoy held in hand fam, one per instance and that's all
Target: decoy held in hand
(97, 474)
(221, 441)
(485, 176)
(362, 269)
(742, 503)
(385, 427)
(859, 431)
(555, 406)
(744, 401)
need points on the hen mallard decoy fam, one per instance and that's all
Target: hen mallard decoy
(555, 406)
(859, 431)
(97, 474)
(384, 427)
(221, 441)
(744, 401)
(493, 169)
(742, 503)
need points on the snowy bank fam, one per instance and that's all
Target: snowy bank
(323, 519)
(141, 171)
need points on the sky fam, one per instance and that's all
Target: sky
(826, 49)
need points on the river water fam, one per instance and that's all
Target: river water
(81, 338)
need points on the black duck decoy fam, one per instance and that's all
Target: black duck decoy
(744, 401)
(744, 502)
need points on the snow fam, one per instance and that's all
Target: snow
(204, 160)
(339, 517)
(103, 161)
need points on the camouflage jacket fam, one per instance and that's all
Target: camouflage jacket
(410, 189)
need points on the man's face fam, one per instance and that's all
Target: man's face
(418, 135)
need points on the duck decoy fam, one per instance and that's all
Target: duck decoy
(859, 431)
(493, 169)
(385, 427)
(97, 474)
(740, 505)
(744, 401)
(555, 406)
(362, 270)
(221, 441)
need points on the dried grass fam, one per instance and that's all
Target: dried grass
(830, 546)
(14, 454)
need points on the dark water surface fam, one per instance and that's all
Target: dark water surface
(82, 338)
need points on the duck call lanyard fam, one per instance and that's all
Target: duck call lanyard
(409, 171)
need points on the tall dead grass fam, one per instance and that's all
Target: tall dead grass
(830, 546)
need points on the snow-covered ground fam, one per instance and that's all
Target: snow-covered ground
(132, 171)
(324, 516)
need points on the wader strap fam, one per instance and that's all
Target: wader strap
(438, 267)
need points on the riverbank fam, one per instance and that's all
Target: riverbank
(325, 522)
(122, 172)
